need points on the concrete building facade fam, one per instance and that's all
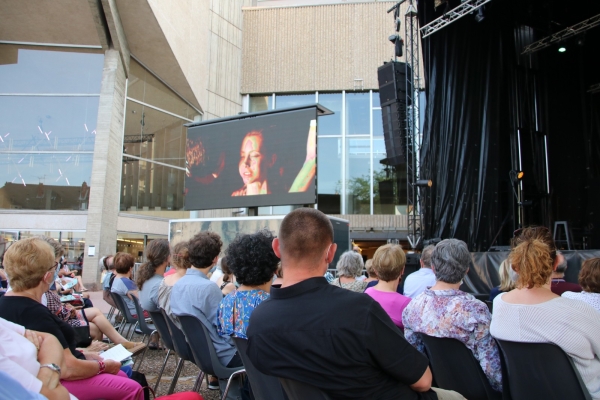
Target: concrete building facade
(94, 96)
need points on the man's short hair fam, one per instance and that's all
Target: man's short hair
(450, 259)
(426, 255)
(203, 248)
(305, 233)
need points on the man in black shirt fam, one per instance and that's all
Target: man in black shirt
(339, 341)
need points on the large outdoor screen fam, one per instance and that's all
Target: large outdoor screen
(263, 160)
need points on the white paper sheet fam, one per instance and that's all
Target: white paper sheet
(117, 353)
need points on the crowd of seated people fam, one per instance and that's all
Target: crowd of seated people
(329, 326)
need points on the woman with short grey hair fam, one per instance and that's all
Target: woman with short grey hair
(447, 312)
(349, 267)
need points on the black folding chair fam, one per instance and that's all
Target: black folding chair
(264, 387)
(540, 371)
(454, 367)
(127, 317)
(204, 352)
(302, 391)
(147, 330)
(182, 348)
(163, 329)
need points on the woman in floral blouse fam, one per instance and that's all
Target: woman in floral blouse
(253, 262)
(445, 311)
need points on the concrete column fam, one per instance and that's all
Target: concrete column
(106, 169)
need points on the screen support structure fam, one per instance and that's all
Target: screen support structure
(413, 134)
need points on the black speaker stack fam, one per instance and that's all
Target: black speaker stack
(392, 95)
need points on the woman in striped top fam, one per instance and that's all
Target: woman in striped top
(532, 313)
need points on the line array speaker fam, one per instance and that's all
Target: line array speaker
(392, 96)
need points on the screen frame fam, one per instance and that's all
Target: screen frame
(264, 201)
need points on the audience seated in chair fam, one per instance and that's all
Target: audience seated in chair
(424, 278)
(337, 340)
(181, 263)
(447, 312)
(108, 264)
(589, 279)
(149, 276)
(508, 278)
(227, 282)
(253, 262)
(30, 265)
(349, 267)
(122, 284)
(196, 295)
(388, 263)
(532, 313)
(559, 285)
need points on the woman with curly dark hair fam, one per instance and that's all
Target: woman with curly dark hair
(253, 262)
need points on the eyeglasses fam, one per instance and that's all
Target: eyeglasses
(54, 266)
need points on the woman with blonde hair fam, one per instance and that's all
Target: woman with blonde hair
(507, 280)
(388, 263)
(30, 266)
(532, 313)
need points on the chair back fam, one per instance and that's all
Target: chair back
(123, 308)
(301, 391)
(162, 328)
(540, 371)
(144, 327)
(202, 348)
(454, 367)
(182, 348)
(264, 387)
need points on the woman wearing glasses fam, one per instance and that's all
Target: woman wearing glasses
(30, 265)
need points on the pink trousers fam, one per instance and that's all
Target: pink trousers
(105, 386)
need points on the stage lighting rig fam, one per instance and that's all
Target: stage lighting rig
(516, 176)
(562, 35)
(466, 7)
(423, 183)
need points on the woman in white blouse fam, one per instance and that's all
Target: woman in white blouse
(589, 280)
(532, 313)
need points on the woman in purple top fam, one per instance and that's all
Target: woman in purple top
(388, 263)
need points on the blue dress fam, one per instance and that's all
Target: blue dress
(235, 309)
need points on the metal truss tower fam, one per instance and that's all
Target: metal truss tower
(413, 131)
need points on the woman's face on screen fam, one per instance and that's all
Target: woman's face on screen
(251, 160)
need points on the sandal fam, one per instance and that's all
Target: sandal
(154, 346)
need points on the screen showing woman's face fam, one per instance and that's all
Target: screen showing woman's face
(251, 158)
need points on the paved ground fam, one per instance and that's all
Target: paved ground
(154, 360)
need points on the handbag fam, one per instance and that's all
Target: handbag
(82, 333)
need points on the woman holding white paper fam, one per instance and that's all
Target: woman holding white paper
(30, 265)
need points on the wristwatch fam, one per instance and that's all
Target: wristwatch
(52, 366)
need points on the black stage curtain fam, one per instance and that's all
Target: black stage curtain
(491, 110)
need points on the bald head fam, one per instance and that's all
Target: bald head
(305, 233)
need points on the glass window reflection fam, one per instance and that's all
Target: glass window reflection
(148, 186)
(48, 123)
(358, 109)
(376, 102)
(385, 182)
(45, 181)
(294, 100)
(261, 103)
(377, 123)
(329, 174)
(31, 70)
(358, 180)
(331, 124)
(145, 87)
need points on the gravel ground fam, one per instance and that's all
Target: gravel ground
(151, 367)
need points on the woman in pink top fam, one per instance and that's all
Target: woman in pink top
(388, 263)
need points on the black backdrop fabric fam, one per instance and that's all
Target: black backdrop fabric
(485, 102)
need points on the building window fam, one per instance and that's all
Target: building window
(48, 111)
(153, 174)
(350, 178)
